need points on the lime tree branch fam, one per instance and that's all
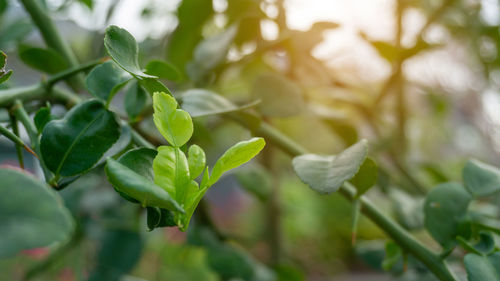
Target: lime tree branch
(46, 89)
(401, 236)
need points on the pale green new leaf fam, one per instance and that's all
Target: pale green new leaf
(174, 124)
(235, 156)
(171, 171)
(196, 160)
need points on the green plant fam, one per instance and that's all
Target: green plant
(169, 176)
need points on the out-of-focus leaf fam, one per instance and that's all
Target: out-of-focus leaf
(393, 254)
(210, 53)
(135, 100)
(46, 60)
(481, 268)
(192, 15)
(280, 97)
(481, 179)
(236, 156)
(88, 3)
(366, 177)
(288, 273)
(256, 180)
(105, 80)
(42, 117)
(32, 214)
(484, 246)
(73, 145)
(4, 5)
(14, 32)
(444, 208)
(196, 160)
(200, 102)
(123, 49)
(174, 124)
(409, 209)
(229, 262)
(120, 251)
(163, 70)
(138, 187)
(326, 174)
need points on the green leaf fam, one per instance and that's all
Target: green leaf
(105, 80)
(163, 70)
(366, 177)
(135, 100)
(481, 179)
(481, 268)
(42, 117)
(73, 145)
(445, 208)
(171, 170)
(46, 60)
(88, 3)
(280, 97)
(210, 53)
(32, 214)
(123, 49)
(485, 244)
(196, 161)
(174, 124)
(4, 74)
(152, 86)
(14, 32)
(326, 174)
(157, 217)
(236, 156)
(119, 252)
(136, 186)
(200, 102)
(393, 254)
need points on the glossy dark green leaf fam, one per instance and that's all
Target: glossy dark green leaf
(119, 251)
(482, 268)
(33, 215)
(280, 97)
(326, 174)
(140, 160)
(135, 100)
(445, 208)
(366, 177)
(73, 145)
(105, 80)
(46, 60)
(121, 144)
(196, 161)
(123, 49)
(42, 117)
(174, 124)
(481, 179)
(163, 70)
(236, 156)
(200, 102)
(157, 217)
(136, 186)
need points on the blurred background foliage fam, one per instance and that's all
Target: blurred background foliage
(418, 78)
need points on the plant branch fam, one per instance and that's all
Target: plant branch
(391, 228)
(15, 139)
(19, 147)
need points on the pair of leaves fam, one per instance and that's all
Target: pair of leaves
(326, 174)
(4, 74)
(32, 214)
(74, 144)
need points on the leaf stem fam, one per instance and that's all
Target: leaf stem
(433, 262)
(15, 139)
(19, 147)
